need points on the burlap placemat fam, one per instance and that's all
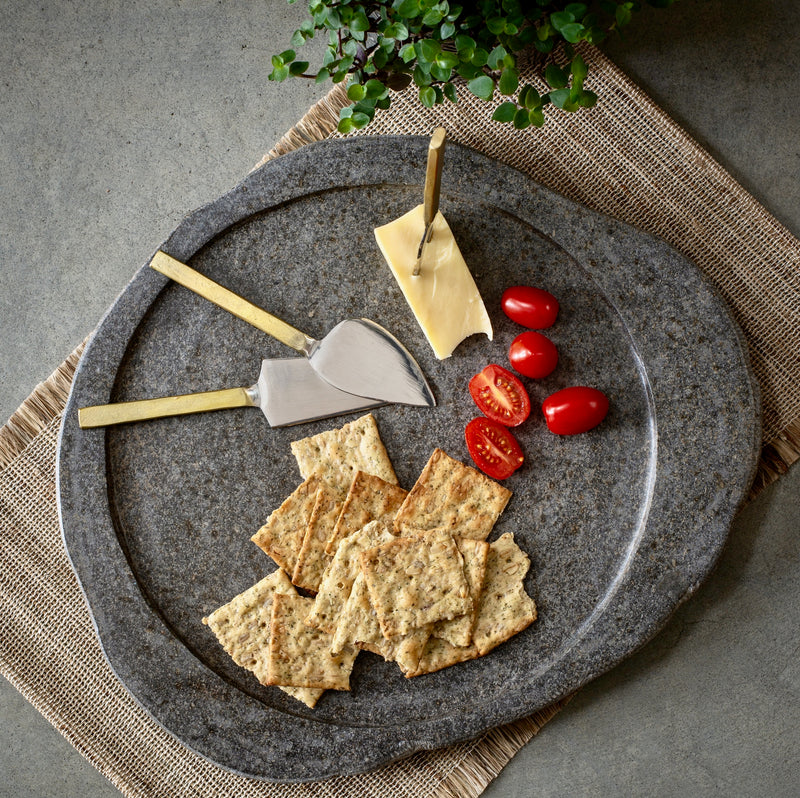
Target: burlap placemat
(626, 158)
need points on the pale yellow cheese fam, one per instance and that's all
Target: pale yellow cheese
(445, 300)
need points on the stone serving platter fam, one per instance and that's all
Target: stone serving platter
(621, 524)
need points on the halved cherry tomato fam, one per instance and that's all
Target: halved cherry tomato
(529, 306)
(533, 354)
(574, 410)
(500, 396)
(493, 448)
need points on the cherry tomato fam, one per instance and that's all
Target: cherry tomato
(493, 448)
(500, 396)
(533, 354)
(530, 307)
(573, 410)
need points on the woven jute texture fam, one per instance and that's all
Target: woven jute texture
(626, 158)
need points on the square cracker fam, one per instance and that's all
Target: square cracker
(312, 560)
(453, 496)
(458, 631)
(504, 608)
(300, 656)
(370, 498)
(336, 455)
(337, 581)
(242, 627)
(358, 626)
(439, 654)
(282, 535)
(416, 581)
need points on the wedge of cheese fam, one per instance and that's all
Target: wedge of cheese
(443, 296)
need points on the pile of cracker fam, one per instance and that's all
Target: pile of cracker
(408, 575)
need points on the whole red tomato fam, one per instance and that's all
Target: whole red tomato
(500, 395)
(574, 410)
(533, 355)
(493, 448)
(531, 307)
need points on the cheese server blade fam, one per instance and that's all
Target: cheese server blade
(357, 356)
(288, 392)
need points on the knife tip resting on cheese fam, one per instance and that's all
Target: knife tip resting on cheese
(443, 296)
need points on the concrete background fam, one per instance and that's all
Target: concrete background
(117, 118)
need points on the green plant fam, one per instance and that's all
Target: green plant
(445, 47)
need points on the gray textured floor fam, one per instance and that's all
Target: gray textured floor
(117, 118)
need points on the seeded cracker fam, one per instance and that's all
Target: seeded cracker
(452, 496)
(300, 656)
(370, 498)
(336, 455)
(242, 626)
(312, 559)
(458, 631)
(505, 608)
(282, 536)
(358, 626)
(416, 581)
(334, 589)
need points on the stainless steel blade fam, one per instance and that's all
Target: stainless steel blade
(289, 392)
(361, 357)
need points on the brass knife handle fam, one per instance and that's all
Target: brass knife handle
(143, 409)
(433, 174)
(227, 300)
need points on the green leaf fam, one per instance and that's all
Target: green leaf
(441, 73)
(555, 76)
(587, 99)
(447, 59)
(623, 15)
(509, 81)
(279, 74)
(298, 68)
(421, 77)
(449, 91)
(375, 90)
(577, 10)
(298, 39)
(446, 30)
(432, 18)
(579, 69)
(562, 99)
(573, 32)
(408, 9)
(496, 25)
(529, 97)
(287, 55)
(345, 125)
(360, 22)
(482, 87)
(561, 18)
(427, 49)
(522, 119)
(480, 57)
(427, 96)
(505, 112)
(355, 92)
(360, 119)
(536, 116)
(407, 53)
(495, 58)
(322, 75)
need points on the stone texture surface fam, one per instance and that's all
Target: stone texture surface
(620, 525)
(105, 147)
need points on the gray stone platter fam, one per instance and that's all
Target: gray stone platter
(621, 524)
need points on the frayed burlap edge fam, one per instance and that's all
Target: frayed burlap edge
(45, 403)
